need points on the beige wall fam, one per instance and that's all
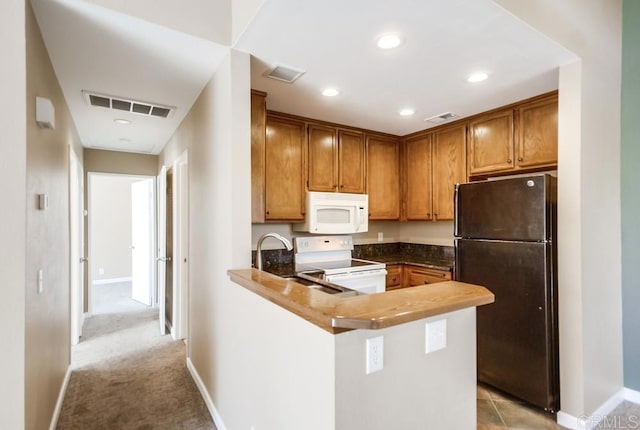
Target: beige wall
(13, 173)
(47, 337)
(125, 163)
(110, 226)
(589, 195)
(217, 135)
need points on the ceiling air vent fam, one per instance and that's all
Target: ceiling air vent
(284, 74)
(441, 118)
(127, 105)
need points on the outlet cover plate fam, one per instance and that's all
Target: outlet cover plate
(435, 335)
(375, 354)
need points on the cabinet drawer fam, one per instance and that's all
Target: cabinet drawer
(419, 276)
(394, 276)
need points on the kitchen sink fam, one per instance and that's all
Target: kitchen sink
(320, 285)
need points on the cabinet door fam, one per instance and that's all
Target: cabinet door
(538, 133)
(449, 168)
(491, 143)
(284, 167)
(383, 178)
(418, 178)
(323, 158)
(351, 161)
(394, 277)
(258, 136)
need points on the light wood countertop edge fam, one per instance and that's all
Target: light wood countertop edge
(337, 314)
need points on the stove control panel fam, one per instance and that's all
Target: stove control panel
(323, 243)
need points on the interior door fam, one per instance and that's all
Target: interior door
(160, 260)
(168, 252)
(142, 240)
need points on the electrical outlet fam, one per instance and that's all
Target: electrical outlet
(375, 354)
(435, 336)
(101, 271)
(380, 236)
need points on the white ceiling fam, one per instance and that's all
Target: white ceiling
(334, 41)
(99, 49)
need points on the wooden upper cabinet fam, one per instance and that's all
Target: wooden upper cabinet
(258, 136)
(490, 146)
(383, 178)
(322, 158)
(449, 168)
(537, 133)
(284, 169)
(418, 176)
(351, 162)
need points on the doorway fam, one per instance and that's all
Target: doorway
(121, 243)
(173, 247)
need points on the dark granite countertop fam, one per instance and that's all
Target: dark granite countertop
(280, 261)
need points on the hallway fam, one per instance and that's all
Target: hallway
(126, 376)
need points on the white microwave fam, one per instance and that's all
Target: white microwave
(335, 213)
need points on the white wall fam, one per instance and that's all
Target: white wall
(13, 171)
(589, 195)
(414, 390)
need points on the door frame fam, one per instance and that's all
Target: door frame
(77, 258)
(91, 264)
(180, 228)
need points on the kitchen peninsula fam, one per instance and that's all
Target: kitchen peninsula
(326, 336)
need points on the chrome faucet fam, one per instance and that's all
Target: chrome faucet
(282, 239)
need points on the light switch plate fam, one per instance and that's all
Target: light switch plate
(375, 354)
(435, 336)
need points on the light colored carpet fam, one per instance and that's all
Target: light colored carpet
(113, 298)
(126, 376)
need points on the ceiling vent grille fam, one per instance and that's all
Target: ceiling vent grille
(284, 74)
(127, 105)
(443, 117)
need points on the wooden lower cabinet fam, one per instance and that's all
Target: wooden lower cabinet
(418, 275)
(409, 275)
(394, 276)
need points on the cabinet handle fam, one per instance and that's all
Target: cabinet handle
(520, 158)
(509, 161)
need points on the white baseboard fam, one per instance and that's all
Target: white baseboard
(63, 391)
(589, 422)
(632, 395)
(111, 281)
(217, 419)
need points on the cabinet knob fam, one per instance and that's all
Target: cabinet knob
(341, 186)
(509, 161)
(267, 212)
(520, 158)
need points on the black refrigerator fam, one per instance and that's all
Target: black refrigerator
(505, 240)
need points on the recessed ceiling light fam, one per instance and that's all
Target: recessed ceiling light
(389, 41)
(407, 112)
(330, 92)
(477, 77)
(121, 121)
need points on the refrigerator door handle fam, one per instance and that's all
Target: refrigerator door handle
(456, 214)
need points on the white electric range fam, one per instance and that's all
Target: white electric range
(329, 258)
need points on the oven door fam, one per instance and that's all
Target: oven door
(366, 281)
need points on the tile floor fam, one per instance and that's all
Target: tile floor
(501, 411)
(497, 410)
